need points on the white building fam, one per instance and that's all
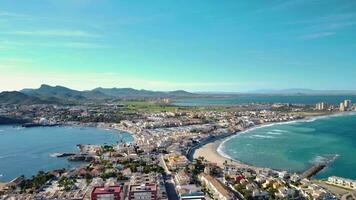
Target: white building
(321, 106)
(347, 104)
(342, 182)
(342, 107)
(215, 187)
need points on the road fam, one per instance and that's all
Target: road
(170, 187)
(168, 181)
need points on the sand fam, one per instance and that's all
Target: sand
(209, 152)
(2, 186)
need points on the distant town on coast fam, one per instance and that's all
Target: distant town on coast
(173, 153)
(177, 100)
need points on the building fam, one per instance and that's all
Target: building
(175, 162)
(182, 178)
(347, 104)
(342, 107)
(192, 196)
(106, 193)
(321, 106)
(143, 192)
(342, 182)
(216, 188)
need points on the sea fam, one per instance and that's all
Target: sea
(25, 151)
(244, 99)
(295, 146)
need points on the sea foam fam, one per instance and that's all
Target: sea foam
(263, 136)
(274, 133)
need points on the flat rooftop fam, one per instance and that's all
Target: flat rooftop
(143, 188)
(107, 190)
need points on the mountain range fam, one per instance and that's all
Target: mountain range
(47, 94)
(302, 91)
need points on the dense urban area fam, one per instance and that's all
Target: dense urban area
(160, 164)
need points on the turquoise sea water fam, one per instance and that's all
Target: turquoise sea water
(296, 146)
(25, 151)
(242, 99)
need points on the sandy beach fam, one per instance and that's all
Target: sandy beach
(209, 152)
(2, 185)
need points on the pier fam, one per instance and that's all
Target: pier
(313, 170)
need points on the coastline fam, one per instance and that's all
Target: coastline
(210, 153)
(2, 185)
(213, 151)
(103, 127)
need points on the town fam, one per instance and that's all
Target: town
(160, 164)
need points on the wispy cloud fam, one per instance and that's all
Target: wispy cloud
(6, 45)
(285, 5)
(10, 14)
(84, 45)
(316, 35)
(55, 33)
(336, 25)
(14, 60)
(324, 26)
(340, 17)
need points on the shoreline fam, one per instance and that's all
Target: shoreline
(212, 151)
(103, 127)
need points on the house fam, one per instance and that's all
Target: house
(283, 192)
(216, 188)
(175, 162)
(182, 178)
(260, 194)
(251, 186)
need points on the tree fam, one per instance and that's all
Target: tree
(66, 183)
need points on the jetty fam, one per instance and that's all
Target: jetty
(313, 170)
(61, 155)
(32, 125)
(81, 157)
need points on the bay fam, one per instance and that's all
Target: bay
(25, 151)
(295, 146)
(245, 99)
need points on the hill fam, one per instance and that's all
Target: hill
(133, 93)
(19, 98)
(60, 93)
(63, 95)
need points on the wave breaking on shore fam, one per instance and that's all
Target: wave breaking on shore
(221, 148)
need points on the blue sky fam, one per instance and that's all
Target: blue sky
(199, 45)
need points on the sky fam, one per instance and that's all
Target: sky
(195, 45)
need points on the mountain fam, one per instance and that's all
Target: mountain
(60, 93)
(301, 91)
(65, 95)
(20, 98)
(133, 93)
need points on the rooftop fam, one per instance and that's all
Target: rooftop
(143, 188)
(106, 190)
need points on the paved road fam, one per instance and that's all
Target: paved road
(170, 188)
